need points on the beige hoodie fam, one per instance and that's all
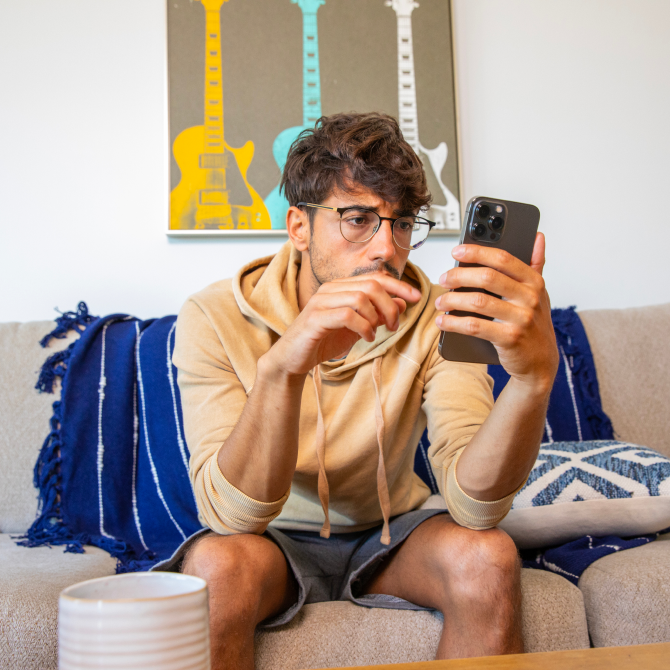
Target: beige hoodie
(361, 418)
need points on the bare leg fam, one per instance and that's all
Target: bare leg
(471, 576)
(249, 580)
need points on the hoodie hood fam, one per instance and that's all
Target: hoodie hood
(267, 290)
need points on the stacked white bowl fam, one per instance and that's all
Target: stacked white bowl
(152, 621)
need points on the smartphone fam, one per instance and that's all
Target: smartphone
(511, 226)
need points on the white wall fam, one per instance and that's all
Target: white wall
(563, 104)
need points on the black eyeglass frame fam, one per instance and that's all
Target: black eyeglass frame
(341, 210)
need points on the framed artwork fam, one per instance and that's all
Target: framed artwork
(245, 77)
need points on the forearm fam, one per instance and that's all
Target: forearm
(260, 455)
(499, 457)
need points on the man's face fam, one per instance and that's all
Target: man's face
(332, 257)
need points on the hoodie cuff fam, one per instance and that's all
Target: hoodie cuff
(471, 513)
(236, 509)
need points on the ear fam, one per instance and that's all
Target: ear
(297, 227)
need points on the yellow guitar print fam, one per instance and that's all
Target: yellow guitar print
(209, 166)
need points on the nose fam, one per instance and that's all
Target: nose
(382, 246)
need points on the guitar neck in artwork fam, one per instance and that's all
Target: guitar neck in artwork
(446, 216)
(409, 119)
(311, 76)
(214, 192)
(311, 105)
(213, 122)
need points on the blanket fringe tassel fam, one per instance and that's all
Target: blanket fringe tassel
(49, 529)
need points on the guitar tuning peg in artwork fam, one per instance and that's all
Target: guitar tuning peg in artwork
(402, 7)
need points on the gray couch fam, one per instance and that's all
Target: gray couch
(622, 599)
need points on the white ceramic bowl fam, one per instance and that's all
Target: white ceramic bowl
(147, 620)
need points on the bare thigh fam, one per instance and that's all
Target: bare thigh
(440, 557)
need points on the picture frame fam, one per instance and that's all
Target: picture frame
(255, 67)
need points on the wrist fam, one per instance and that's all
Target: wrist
(270, 369)
(535, 386)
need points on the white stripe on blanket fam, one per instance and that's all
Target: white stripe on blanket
(154, 472)
(136, 441)
(180, 441)
(101, 445)
(568, 376)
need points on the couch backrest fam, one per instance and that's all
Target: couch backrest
(631, 349)
(24, 418)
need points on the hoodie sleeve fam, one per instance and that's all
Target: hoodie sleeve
(457, 399)
(213, 398)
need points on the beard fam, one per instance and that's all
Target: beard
(324, 269)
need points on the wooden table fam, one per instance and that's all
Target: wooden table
(640, 657)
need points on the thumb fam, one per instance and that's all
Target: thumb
(537, 259)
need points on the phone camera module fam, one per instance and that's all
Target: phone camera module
(479, 230)
(496, 223)
(483, 211)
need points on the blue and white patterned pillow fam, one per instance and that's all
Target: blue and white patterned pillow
(599, 487)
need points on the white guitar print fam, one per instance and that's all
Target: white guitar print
(448, 216)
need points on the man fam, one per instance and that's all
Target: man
(307, 382)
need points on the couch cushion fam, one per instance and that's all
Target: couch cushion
(627, 596)
(632, 360)
(343, 634)
(31, 580)
(30, 583)
(24, 418)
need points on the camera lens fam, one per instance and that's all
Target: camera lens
(479, 230)
(483, 211)
(496, 222)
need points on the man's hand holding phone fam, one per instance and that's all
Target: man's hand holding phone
(522, 332)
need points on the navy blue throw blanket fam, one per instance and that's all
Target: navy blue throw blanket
(113, 471)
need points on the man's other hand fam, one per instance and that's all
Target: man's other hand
(339, 314)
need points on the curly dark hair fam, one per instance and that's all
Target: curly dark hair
(345, 150)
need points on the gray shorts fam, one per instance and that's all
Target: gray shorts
(334, 569)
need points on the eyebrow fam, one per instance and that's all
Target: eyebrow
(397, 213)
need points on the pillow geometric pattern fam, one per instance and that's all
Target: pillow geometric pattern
(598, 488)
(597, 470)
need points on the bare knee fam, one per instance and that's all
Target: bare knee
(484, 565)
(232, 563)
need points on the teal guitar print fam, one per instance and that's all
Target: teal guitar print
(311, 105)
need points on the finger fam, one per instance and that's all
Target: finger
(387, 309)
(538, 258)
(394, 287)
(487, 305)
(488, 279)
(346, 317)
(500, 334)
(498, 259)
(357, 300)
(402, 305)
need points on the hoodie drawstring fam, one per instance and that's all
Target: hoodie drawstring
(320, 446)
(382, 484)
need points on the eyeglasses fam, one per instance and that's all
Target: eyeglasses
(358, 225)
